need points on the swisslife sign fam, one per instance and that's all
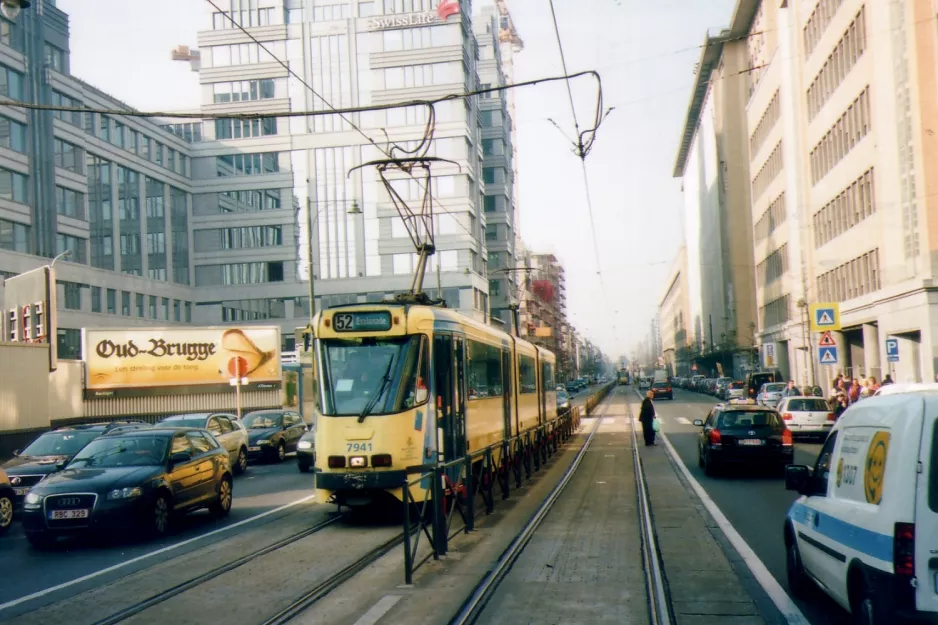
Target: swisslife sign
(444, 10)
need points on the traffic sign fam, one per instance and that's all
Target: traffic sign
(825, 317)
(892, 350)
(827, 355)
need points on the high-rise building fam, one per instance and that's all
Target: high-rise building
(497, 170)
(113, 191)
(340, 55)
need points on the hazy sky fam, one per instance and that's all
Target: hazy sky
(644, 51)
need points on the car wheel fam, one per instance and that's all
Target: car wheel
(797, 579)
(242, 465)
(6, 513)
(281, 452)
(40, 540)
(222, 505)
(869, 607)
(160, 515)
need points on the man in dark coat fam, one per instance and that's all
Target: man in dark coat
(647, 416)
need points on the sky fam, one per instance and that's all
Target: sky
(645, 53)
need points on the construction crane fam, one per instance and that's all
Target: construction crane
(506, 28)
(183, 53)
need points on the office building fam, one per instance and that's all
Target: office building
(114, 191)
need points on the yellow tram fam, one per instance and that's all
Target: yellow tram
(402, 385)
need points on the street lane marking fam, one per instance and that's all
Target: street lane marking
(684, 420)
(379, 609)
(120, 565)
(773, 589)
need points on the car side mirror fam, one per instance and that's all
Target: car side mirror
(61, 464)
(180, 456)
(698, 422)
(798, 478)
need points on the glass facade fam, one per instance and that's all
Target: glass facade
(128, 212)
(100, 212)
(156, 229)
(179, 221)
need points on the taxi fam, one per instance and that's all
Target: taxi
(864, 526)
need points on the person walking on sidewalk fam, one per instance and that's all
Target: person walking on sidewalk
(647, 416)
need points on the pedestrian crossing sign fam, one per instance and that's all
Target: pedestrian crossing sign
(827, 355)
(825, 317)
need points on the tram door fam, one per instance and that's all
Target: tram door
(506, 391)
(448, 357)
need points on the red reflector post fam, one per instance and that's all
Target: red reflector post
(903, 549)
(336, 462)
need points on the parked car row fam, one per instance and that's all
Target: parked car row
(97, 476)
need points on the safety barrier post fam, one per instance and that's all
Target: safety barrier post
(408, 557)
(470, 496)
(488, 485)
(439, 520)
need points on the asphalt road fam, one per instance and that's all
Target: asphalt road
(755, 505)
(263, 488)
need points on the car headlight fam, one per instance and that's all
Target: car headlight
(33, 499)
(264, 441)
(125, 493)
(304, 445)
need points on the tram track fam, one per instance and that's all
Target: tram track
(657, 597)
(214, 573)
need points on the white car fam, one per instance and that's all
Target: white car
(771, 393)
(864, 526)
(806, 415)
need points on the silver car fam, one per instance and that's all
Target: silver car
(771, 393)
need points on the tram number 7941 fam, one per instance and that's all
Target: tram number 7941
(352, 447)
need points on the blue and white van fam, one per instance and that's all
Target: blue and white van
(865, 528)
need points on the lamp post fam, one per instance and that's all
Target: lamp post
(65, 254)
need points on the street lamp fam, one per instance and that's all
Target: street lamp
(66, 253)
(11, 8)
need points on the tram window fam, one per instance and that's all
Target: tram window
(527, 372)
(485, 371)
(547, 376)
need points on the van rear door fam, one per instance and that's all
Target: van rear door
(926, 514)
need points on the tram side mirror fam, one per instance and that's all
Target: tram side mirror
(698, 422)
(421, 396)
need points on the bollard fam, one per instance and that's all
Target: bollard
(470, 497)
(408, 557)
(439, 519)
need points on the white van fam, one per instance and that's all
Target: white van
(866, 526)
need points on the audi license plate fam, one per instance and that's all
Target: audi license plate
(751, 442)
(19, 492)
(59, 515)
(254, 448)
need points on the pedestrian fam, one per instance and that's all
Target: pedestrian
(792, 390)
(647, 416)
(887, 380)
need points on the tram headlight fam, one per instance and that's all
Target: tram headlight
(358, 462)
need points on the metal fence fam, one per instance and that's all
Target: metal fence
(453, 487)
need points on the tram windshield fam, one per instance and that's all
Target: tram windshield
(354, 370)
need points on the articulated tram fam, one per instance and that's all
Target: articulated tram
(402, 385)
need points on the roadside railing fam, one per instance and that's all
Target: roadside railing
(448, 489)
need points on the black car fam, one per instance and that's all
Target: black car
(6, 502)
(52, 450)
(743, 434)
(662, 389)
(272, 433)
(135, 480)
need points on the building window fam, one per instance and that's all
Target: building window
(13, 186)
(139, 303)
(68, 156)
(773, 267)
(12, 135)
(112, 302)
(70, 117)
(250, 236)
(68, 242)
(845, 133)
(72, 295)
(768, 172)
(190, 132)
(245, 90)
(770, 117)
(152, 307)
(177, 311)
(11, 83)
(95, 299)
(179, 224)
(68, 343)
(245, 128)
(70, 203)
(851, 206)
(14, 236)
(125, 303)
(818, 22)
(239, 273)
(165, 308)
(776, 312)
(844, 56)
(55, 57)
(11, 35)
(854, 278)
(248, 201)
(188, 312)
(247, 164)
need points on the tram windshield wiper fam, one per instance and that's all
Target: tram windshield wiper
(385, 380)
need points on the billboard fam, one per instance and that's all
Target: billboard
(163, 361)
(29, 306)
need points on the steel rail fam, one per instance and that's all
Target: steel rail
(322, 589)
(475, 605)
(658, 601)
(178, 589)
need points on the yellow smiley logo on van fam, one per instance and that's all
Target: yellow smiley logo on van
(875, 468)
(840, 472)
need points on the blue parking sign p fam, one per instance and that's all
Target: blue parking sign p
(892, 350)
